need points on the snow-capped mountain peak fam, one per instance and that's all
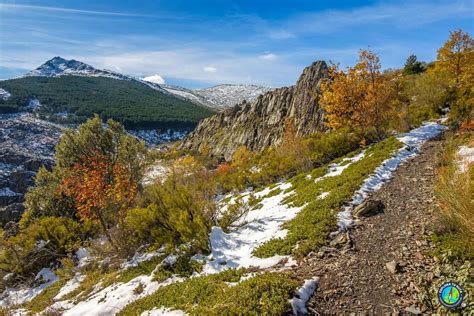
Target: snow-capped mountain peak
(58, 66)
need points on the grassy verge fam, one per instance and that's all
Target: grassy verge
(454, 230)
(45, 298)
(311, 227)
(454, 236)
(266, 293)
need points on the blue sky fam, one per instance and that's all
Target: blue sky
(201, 43)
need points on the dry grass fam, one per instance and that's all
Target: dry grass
(455, 196)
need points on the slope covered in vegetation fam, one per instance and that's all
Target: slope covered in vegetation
(73, 99)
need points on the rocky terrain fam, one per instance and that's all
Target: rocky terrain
(26, 144)
(260, 123)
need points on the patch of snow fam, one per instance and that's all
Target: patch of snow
(413, 141)
(115, 297)
(33, 104)
(466, 157)
(153, 137)
(84, 257)
(156, 172)
(11, 296)
(4, 94)
(141, 257)
(323, 195)
(298, 303)
(162, 311)
(228, 95)
(70, 286)
(234, 249)
(337, 168)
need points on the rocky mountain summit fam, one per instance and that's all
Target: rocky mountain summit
(26, 144)
(260, 123)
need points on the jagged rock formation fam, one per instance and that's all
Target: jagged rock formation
(260, 123)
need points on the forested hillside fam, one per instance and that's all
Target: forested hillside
(73, 99)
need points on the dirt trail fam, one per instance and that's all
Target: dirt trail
(355, 278)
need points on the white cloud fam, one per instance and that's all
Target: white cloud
(155, 79)
(210, 69)
(268, 56)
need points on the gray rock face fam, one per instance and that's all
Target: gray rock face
(260, 123)
(26, 144)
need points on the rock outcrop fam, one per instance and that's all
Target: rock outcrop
(260, 123)
(26, 143)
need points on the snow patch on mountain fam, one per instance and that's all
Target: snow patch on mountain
(228, 95)
(4, 94)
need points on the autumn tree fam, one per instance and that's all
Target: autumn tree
(100, 189)
(98, 172)
(358, 97)
(456, 64)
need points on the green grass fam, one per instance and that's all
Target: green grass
(273, 192)
(312, 225)
(45, 298)
(266, 294)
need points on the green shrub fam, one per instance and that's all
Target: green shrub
(42, 243)
(267, 293)
(183, 267)
(176, 212)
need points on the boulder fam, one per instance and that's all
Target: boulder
(11, 213)
(369, 208)
(392, 267)
(20, 181)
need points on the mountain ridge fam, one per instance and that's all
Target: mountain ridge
(217, 97)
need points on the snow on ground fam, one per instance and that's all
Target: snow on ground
(70, 286)
(337, 168)
(298, 303)
(466, 157)
(112, 299)
(234, 249)
(163, 311)
(156, 172)
(11, 297)
(141, 257)
(413, 141)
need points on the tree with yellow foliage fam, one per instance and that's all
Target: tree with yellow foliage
(358, 97)
(456, 64)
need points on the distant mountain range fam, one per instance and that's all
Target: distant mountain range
(69, 91)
